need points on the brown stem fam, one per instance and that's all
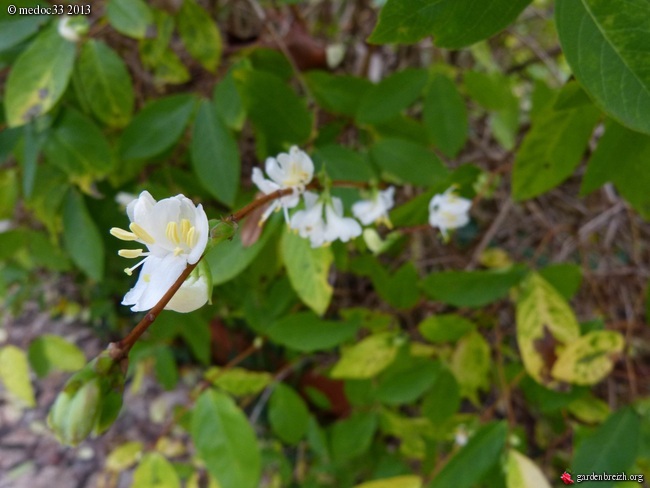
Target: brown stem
(125, 345)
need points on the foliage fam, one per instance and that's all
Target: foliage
(368, 363)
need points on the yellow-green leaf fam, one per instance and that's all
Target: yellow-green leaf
(544, 320)
(154, 471)
(524, 473)
(471, 365)
(308, 269)
(14, 374)
(367, 358)
(124, 456)
(394, 482)
(199, 34)
(39, 77)
(589, 359)
(49, 352)
(239, 381)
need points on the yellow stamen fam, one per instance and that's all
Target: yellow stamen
(147, 278)
(178, 251)
(172, 232)
(190, 237)
(185, 227)
(123, 234)
(130, 253)
(142, 234)
(128, 271)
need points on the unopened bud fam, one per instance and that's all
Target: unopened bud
(221, 230)
(89, 402)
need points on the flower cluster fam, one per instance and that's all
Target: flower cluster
(322, 221)
(175, 232)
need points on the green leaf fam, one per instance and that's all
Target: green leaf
(308, 269)
(280, 118)
(445, 115)
(129, 17)
(342, 163)
(50, 352)
(452, 23)
(566, 278)
(407, 385)
(367, 358)
(471, 365)
(225, 441)
(14, 374)
(589, 359)
(402, 161)
(551, 150)
(406, 481)
(215, 155)
(228, 102)
(16, 29)
(481, 453)
(9, 186)
(154, 471)
(199, 34)
(105, 82)
(445, 328)
(494, 92)
(389, 97)
(337, 94)
(522, 472)
(157, 127)
(443, 399)
(601, 40)
(81, 238)
(612, 448)
(351, 437)
(544, 319)
(78, 147)
(306, 332)
(472, 288)
(272, 61)
(631, 151)
(38, 78)
(238, 381)
(288, 414)
(229, 258)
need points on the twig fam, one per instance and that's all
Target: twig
(124, 346)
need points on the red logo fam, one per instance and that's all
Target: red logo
(566, 477)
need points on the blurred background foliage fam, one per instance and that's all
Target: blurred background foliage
(513, 353)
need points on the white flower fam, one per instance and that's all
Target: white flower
(449, 211)
(293, 170)
(375, 210)
(309, 223)
(339, 227)
(67, 31)
(175, 233)
(194, 292)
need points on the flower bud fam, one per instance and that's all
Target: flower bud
(89, 402)
(221, 230)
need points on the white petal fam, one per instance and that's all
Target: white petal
(192, 295)
(202, 229)
(343, 228)
(274, 170)
(265, 186)
(138, 208)
(157, 276)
